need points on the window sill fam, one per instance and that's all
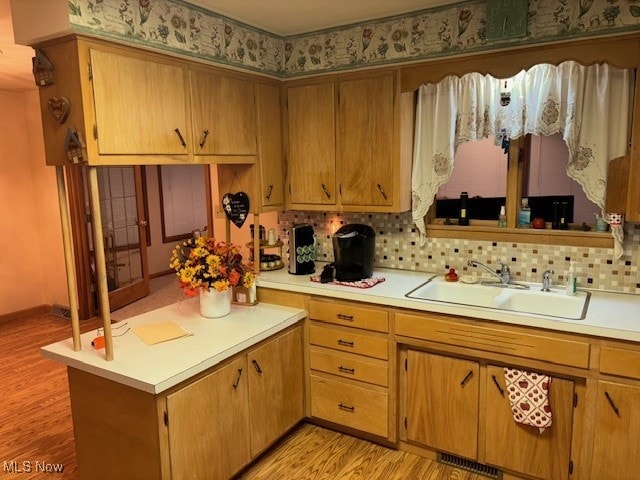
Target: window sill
(487, 233)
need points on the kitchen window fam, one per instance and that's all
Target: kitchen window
(588, 106)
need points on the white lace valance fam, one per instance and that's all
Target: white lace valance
(589, 105)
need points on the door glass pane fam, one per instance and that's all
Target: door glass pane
(120, 226)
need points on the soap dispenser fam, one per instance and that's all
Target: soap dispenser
(502, 218)
(524, 214)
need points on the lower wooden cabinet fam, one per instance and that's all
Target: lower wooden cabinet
(208, 425)
(208, 428)
(444, 411)
(219, 423)
(521, 448)
(442, 403)
(275, 389)
(616, 432)
(354, 406)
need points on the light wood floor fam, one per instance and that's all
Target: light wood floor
(35, 413)
(36, 426)
(313, 453)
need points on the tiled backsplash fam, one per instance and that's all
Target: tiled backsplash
(397, 246)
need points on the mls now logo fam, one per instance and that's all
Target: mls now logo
(28, 466)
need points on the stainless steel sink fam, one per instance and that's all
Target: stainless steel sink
(554, 303)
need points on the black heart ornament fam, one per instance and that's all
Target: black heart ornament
(236, 207)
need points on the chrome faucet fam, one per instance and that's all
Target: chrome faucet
(547, 280)
(505, 273)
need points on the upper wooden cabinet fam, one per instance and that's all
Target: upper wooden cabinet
(140, 105)
(312, 141)
(132, 107)
(224, 114)
(345, 144)
(366, 139)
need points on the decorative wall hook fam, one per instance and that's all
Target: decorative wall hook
(42, 69)
(74, 146)
(59, 108)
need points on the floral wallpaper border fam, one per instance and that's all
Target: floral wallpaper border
(179, 27)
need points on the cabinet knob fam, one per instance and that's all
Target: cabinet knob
(181, 138)
(205, 134)
(268, 195)
(326, 192)
(466, 378)
(384, 194)
(611, 403)
(237, 382)
(495, 381)
(348, 408)
(342, 316)
(347, 369)
(256, 366)
(345, 343)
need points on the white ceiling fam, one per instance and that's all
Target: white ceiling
(289, 17)
(282, 17)
(15, 60)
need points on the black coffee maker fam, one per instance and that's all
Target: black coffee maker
(353, 249)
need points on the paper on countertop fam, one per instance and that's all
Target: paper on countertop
(160, 332)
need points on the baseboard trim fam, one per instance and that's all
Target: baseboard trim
(160, 274)
(39, 310)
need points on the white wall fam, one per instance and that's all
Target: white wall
(32, 269)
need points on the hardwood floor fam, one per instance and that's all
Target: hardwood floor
(313, 453)
(36, 426)
(35, 413)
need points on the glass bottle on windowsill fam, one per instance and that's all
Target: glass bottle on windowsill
(463, 220)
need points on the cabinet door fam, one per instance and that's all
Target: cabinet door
(311, 125)
(139, 104)
(442, 403)
(616, 432)
(224, 114)
(209, 425)
(270, 145)
(275, 388)
(522, 448)
(366, 133)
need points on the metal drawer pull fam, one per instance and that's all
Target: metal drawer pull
(348, 408)
(495, 380)
(184, 144)
(346, 369)
(326, 192)
(205, 134)
(466, 378)
(613, 405)
(382, 191)
(345, 343)
(342, 316)
(257, 367)
(268, 195)
(237, 382)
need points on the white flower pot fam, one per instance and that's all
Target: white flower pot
(214, 304)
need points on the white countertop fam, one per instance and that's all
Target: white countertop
(155, 368)
(610, 315)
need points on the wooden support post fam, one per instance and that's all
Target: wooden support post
(72, 286)
(256, 243)
(227, 230)
(101, 269)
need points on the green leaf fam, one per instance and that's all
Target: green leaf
(74, 9)
(635, 10)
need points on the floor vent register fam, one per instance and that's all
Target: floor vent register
(469, 465)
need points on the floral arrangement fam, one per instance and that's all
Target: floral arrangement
(205, 263)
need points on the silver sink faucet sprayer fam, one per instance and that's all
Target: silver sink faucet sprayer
(547, 280)
(505, 273)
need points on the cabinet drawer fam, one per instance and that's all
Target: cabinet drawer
(554, 350)
(352, 366)
(355, 407)
(349, 315)
(617, 361)
(348, 341)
